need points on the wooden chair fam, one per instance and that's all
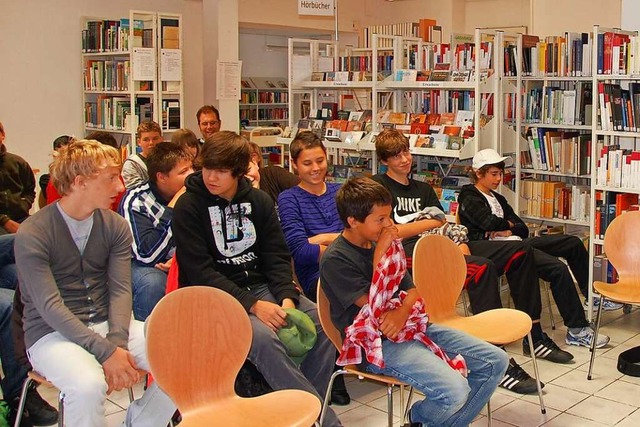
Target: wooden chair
(34, 377)
(439, 272)
(197, 339)
(622, 246)
(324, 313)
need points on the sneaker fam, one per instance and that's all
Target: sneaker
(518, 381)
(36, 410)
(608, 304)
(547, 349)
(585, 337)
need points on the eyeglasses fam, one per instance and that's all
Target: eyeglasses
(206, 124)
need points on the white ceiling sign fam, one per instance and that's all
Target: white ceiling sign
(315, 7)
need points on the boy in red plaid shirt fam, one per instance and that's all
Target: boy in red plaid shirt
(346, 272)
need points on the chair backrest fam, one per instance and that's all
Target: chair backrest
(439, 271)
(324, 313)
(198, 337)
(622, 244)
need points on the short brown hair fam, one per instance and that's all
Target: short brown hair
(389, 143)
(2, 129)
(255, 149)
(186, 138)
(226, 150)
(148, 126)
(357, 197)
(164, 157)
(207, 109)
(304, 141)
(473, 174)
(103, 138)
(80, 158)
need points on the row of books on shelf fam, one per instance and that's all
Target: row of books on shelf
(261, 97)
(610, 205)
(170, 114)
(556, 199)
(618, 53)
(443, 101)
(618, 107)
(346, 76)
(554, 56)
(566, 152)
(553, 104)
(107, 75)
(264, 114)
(617, 167)
(440, 73)
(113, 35)
(114, 113)
(263, 83)
(425, 29)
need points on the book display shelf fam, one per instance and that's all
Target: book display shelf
(132, 73)
(575, 116)
(264, 101)
(436, 93)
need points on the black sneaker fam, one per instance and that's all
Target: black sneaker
(518, 381)
(547, 349)
(36, 410)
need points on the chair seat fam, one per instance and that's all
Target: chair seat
(290, 408)
(39, 378)
(624, 291)
(498, 326)
(382, 378)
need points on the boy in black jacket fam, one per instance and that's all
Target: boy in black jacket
(227, 235)
(488, 216)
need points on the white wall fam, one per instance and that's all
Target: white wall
(630, 15)
(41, 77)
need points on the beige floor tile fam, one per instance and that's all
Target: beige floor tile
(341, 409)
(381, 403)
(483, 421)
(365, 416)
(622, 392)
(568, 420)
(522, 413)
(116, 420)
(602, 410)
(601, 367)
(577, 380)
(632, 420)
(548, 370)
(365, 391)
(558, 398)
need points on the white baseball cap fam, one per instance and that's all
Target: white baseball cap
(489, 156)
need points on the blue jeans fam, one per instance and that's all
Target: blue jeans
(8, 275)
(450, 399)
(149, 285)
(14, 372)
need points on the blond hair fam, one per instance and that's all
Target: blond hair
(80, 158)
(148, 126)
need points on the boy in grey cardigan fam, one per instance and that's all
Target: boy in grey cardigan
(73, 261)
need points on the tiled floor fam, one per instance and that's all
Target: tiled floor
(610, 398)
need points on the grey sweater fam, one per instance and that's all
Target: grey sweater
(52, 275)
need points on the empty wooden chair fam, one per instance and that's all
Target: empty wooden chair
(622, 247)
(197, 339)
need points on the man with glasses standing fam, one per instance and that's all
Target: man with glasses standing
(208, 121)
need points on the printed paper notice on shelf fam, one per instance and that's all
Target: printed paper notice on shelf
(171, 65)
(228, 79)
(144, 63)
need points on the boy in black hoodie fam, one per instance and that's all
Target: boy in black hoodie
(227, 235)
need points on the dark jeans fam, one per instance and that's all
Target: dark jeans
(269, 356)
(546, 251)
(516, 261)
(14, 372)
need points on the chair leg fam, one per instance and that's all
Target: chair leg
(390, 404)
(595, 337)
(327, 396)
(546, 289)
(60, 409)
(465, 303)
(489, 418)
(131, 396)
(537, 374)
(407, 407)
(23, 398)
